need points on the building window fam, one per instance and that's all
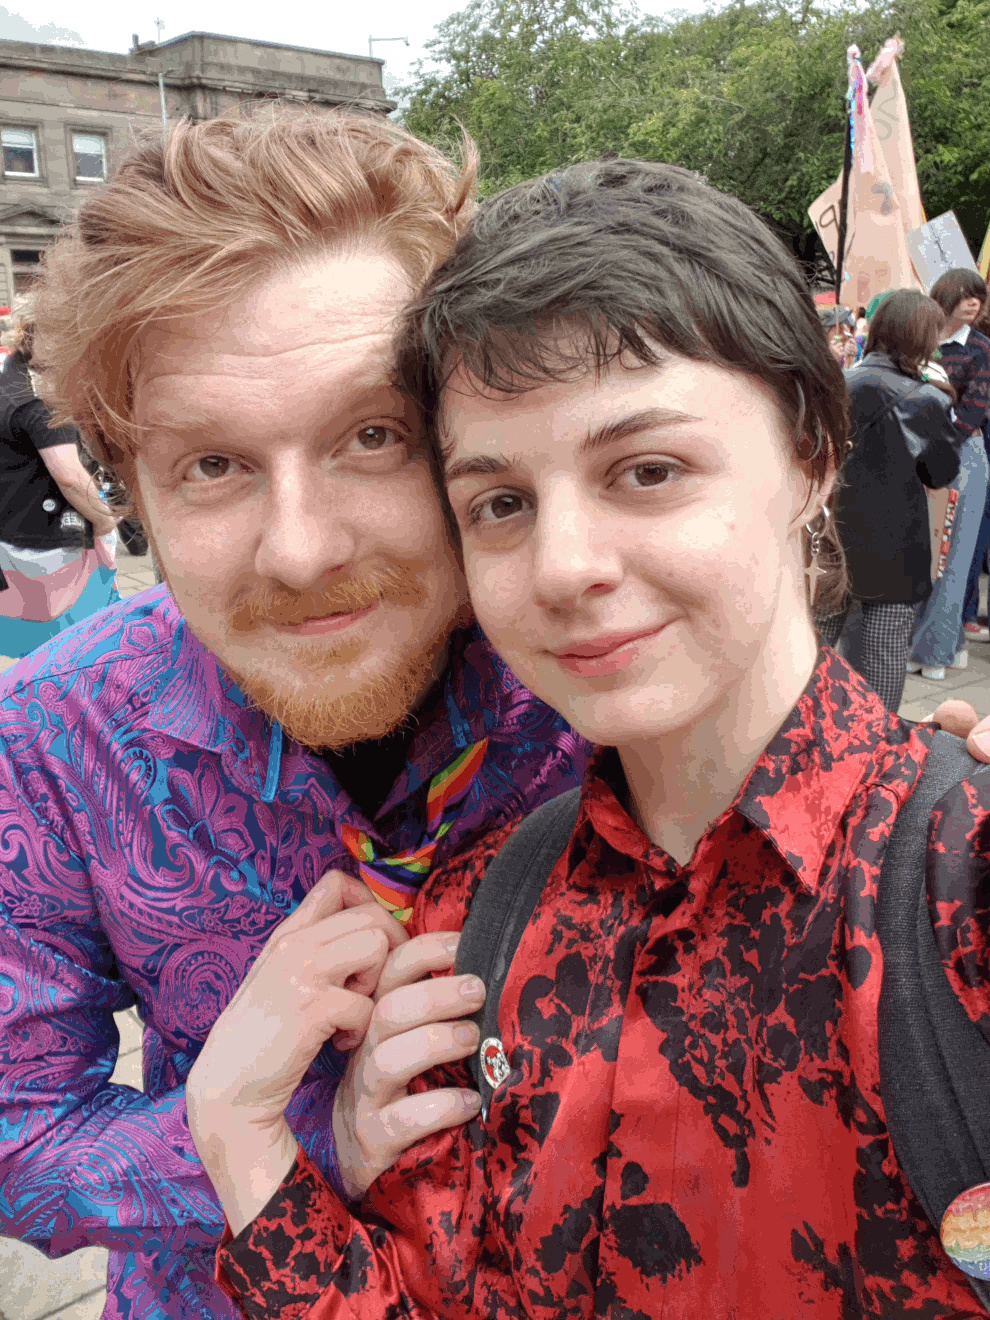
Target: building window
(89, 151)
(20, 152)
(25, 256)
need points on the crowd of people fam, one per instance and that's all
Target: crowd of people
(461, 509)
(920, 400)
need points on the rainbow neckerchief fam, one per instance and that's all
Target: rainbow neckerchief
(395, 880)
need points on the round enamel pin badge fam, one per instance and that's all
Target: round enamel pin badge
(966, 1231)
(494, 1064)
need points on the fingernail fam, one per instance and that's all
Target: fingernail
(472, 1100)
(982, 741)
(465, 1034)
(451, 943)
(473, 988)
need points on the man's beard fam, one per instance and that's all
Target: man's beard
(372, 708)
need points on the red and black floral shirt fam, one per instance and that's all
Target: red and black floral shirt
(692, 1125)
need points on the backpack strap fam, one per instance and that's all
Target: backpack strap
(500, 911)
(934, 1063)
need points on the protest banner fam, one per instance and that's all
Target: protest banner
(876, 255)
(938, 246)
(890, 115)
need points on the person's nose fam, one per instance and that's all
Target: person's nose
(305, 534)
(574, 555)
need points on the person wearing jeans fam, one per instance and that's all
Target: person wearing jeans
(974, 630)
(940, 635)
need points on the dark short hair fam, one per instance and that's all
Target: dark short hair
(951, 288)
(906, 326)
(559, 276)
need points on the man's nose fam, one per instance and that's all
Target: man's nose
(575, 555)
(305, 534)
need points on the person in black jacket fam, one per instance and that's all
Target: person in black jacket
(904, 439)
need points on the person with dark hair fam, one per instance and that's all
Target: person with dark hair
(640, 425)
(57, 534)
(941, 633)
(903, 440)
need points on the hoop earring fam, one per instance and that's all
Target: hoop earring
(814, 571)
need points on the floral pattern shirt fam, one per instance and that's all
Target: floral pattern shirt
(692, 1124)
(154, 830)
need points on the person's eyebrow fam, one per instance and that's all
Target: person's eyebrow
(483, 465)
(160, 420)
(609, 433)
(649, 419)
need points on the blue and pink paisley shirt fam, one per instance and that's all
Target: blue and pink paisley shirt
(154, 830)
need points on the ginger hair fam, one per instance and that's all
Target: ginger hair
(191, 222)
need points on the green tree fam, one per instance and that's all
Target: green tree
(751, 95)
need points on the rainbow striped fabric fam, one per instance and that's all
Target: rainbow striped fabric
(395, 881)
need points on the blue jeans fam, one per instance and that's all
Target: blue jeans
(939, 634)
(971, 608)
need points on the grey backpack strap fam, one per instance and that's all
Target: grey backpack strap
(934, 1063)
(503, 903)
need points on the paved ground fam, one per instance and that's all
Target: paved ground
(35, 1288)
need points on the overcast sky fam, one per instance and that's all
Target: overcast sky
(342, 27)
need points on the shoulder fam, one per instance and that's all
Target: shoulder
(930, 398)
(121, 656)
(444, 901)
(979, 346)
(959, 891)
(486, 682)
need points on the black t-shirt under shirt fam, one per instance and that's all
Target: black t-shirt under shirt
(366, 771)
(31, 503)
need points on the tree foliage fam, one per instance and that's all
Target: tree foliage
(751, 95)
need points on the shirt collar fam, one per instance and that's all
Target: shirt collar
(959, 336)
(799, 789)
(201, 704)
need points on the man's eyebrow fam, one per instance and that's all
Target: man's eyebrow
(649, 419)
(160, 419)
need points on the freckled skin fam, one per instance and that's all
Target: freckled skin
(254, 468)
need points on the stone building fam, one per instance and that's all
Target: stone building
(67, 114)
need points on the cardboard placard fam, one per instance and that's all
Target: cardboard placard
(938, 246)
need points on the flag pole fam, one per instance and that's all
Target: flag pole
(847, 159)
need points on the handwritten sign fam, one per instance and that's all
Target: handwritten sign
(938, 246)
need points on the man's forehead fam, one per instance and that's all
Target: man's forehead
(341, 309)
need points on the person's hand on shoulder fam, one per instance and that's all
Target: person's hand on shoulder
(960, 718)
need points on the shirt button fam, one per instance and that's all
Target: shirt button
(50, 506)
(966, 1231)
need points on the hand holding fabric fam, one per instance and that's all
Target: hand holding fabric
(313, 981)
(414, 1027)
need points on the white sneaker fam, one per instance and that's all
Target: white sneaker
(936, 672)
(960, 660)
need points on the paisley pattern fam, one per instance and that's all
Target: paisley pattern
(691, 1125)
(153, 833)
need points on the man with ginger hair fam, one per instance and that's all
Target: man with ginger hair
(179, 771)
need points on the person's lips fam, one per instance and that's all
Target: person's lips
(604, 655)
(327, 623)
